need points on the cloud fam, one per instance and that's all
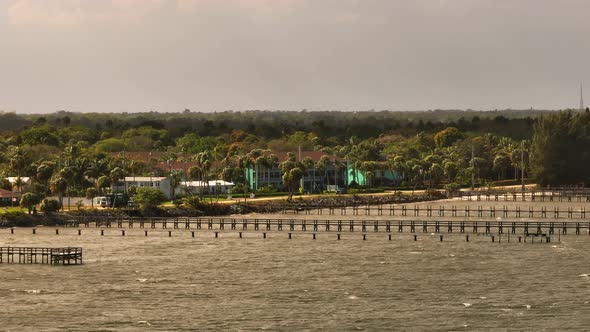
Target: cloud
(69, 12)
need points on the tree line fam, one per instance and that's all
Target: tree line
(83, 154)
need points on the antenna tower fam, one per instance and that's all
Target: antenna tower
(581, 97)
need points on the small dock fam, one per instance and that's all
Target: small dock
(49, 256)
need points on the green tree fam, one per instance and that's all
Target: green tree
(148, 197)
(292, 171)
(28, 200)
(59, 185)
(116, 175)
(44, 173)
(447, 137)
(91, 193)
(50, 205)
(102, 183)
(561, 149)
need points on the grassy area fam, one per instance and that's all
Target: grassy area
(10, 209)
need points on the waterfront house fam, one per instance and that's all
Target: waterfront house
(203, 187)
(162, 183)
(8, 198)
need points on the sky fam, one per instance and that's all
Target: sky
(216, 55)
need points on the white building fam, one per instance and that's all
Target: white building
(19, 184)
(162, 183)
(198, 187)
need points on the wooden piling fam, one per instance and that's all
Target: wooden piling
(169, 233)
(57, 231)
(415, 237)
(123, 233)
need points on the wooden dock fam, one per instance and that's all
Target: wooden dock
(577, 227)
(50, 256)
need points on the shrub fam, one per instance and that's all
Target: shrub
(266, 190)
(16, 218)
(29, 200)
(192, 201)
(50, 206)
(148, 197)
(131, 191)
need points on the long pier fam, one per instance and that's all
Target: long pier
(32, 255)
(562, 195)
(577, 227)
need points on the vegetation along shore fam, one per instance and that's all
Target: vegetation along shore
(192, 163)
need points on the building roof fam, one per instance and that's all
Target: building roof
(314, 155)
(212, 183)
(13, 179)
(144, 178)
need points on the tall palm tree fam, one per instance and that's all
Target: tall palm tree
(59, 186)
(43, 175)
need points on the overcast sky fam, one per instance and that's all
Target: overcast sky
(207, 55)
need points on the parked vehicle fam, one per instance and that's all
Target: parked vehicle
(101, 201)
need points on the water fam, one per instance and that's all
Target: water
(134, 283)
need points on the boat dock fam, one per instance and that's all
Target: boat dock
(49, 256)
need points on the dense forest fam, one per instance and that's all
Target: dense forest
(83, 154)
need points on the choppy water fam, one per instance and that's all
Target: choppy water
(135, 283)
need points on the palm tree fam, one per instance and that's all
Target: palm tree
(59, 186)
(272, 163)
(43, 175)
(341, 168)
(243, 163)
(307, 165)
(292, 171)
(322, 166)
(17, 163)
(254, 156)
(203, 163)
(96, 168)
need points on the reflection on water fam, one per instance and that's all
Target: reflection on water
(183, 283)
